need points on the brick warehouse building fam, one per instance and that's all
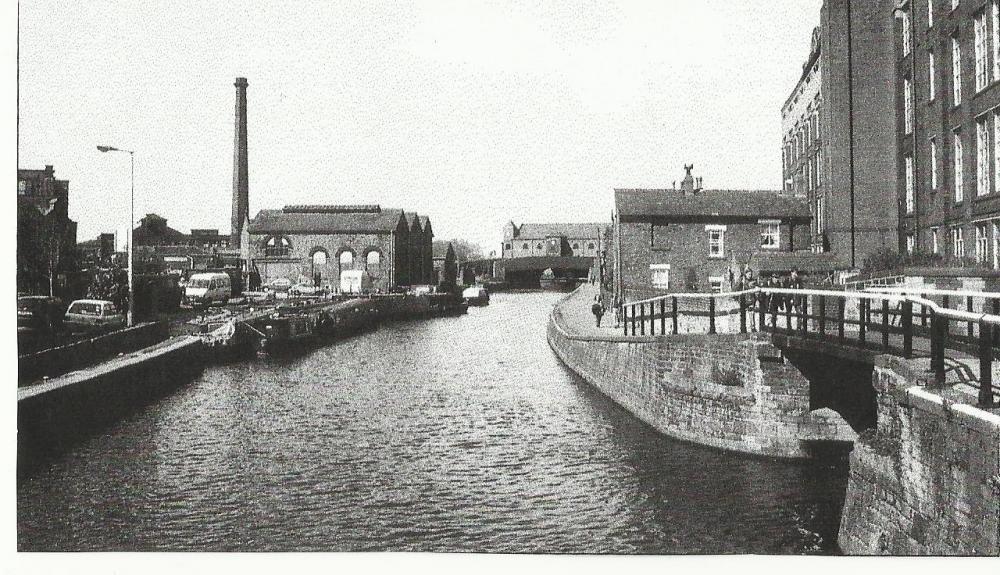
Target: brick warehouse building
(299, 242)
(948, 125)
(543, 240)
(802, 151)
(838, 131)
(690, 239)
(46, 237)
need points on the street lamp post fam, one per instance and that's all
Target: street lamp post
(131, 222)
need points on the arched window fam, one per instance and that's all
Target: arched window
(576, 246)
(277, 246)
(590, 246)
(346, 260)
(525, 246)
(372, 262)
(539, 246)
(319, 257)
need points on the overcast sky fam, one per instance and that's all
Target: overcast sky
(471, 113)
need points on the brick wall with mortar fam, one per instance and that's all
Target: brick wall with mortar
(685, 247)
(927, 481)
(299, 261)
(727, 391)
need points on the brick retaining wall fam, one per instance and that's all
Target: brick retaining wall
(927, 481)
(728, 391)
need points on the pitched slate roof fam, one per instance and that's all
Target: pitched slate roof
(326, 220)
(718, 203)
(542, 231)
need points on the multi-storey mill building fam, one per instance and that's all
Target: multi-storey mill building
(948, 126)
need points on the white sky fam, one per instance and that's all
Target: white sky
(471, 113)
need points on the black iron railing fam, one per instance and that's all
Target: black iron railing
(886, 320)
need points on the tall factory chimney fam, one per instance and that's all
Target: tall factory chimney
(241, 181)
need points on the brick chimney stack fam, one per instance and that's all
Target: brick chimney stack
(687, 184)
(241, 181)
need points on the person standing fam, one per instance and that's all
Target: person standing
(597, 308)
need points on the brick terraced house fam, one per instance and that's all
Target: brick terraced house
(305, 241)
(690, 240)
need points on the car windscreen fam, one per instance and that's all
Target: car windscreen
(84, 308)
(199, 283)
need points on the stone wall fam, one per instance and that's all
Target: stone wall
(59, 360)
(927, 481)
(727, 391)
(57, 414)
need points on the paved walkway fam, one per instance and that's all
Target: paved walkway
(578, 318)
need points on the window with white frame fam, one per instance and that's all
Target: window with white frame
(906, 32)
(981, 46)
(995, 37)
(716, 241)
(934, 164)
(931, 82)
(910, 243)
(956, 71)
(996, 148)
(819, 167)
(982, 244)
(996, 244)
(983, 156)
(934, 241)
(957, 243)
(660, 275)
(770, 234)
(959, 191)
(910, 201)
(715, 282)
(907, 106)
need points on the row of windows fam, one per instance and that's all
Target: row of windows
(983, 240)
(280, 246)
(527, 246)
(770, 238)
(804, 136)
(986, 47)
(987, 162)
(660, 278)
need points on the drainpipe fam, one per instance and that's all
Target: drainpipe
(850, 126)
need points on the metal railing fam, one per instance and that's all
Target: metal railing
(875, 320)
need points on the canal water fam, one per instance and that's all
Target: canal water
(455, 434)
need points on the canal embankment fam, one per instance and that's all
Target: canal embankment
(926, 480)
(56, 413)
(729, 391)
(56, 361)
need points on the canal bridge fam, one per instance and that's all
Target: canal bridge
(836, 337)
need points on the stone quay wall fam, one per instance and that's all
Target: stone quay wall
(54, 415)
(728, 391)
(927, 480)
(66, 358)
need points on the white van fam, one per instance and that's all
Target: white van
(206, 289)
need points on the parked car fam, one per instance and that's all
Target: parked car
(93, 315)
(209, 288)
(39, 312)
